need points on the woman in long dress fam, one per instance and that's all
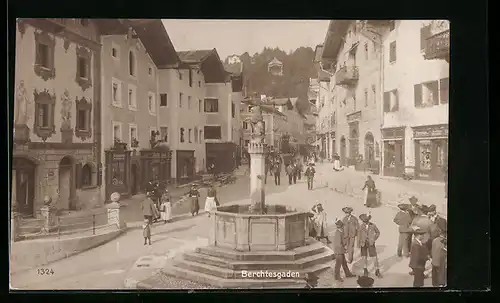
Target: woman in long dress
(320, 223)
(194, 195)
(370, 193)
(166, 207)
(211, 202)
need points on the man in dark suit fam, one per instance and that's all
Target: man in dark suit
(438, 256)
(339, 249)
(351, 226)
(419, 256)
(367, 236)
(403, 220)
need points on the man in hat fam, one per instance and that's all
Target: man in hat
(403, 220)
(277, 172)
(438, 223)
(413, 205)
(148, 208)
(351, 226)
(438, 255)
(309, 173)
(419, 256)
(422, 221)
(367, 236)
(339, 249)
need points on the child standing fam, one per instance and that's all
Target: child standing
(166, 207)
(146, 231)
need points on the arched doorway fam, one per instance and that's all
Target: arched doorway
(23, 186)
(369, 148)
(134, 174)
(353, 146)
(67, 190)
(342, 151)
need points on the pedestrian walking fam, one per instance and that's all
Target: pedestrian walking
(294, 172)
(320, 224)
(339, 249)
(370, 192)
(419, 256)
(211, 202)
(289, 172)
(299, 169)
(148, 208)
(146, 231)
(414, 206)
(438, 260)
(309, 173)
(403, 220)
(194, 196)
(166, 207)
(277, 173)
(351, 226)
(367, 236)
(336, 163)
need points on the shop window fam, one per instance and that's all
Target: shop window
(182, 134)
(164, 133)
(425, 155)
(163, 100)
(390, 155)
(44, 56)
(391, 101)
(392, 52)
(44, 125)
(180, 99)
(211, 105)
(213, 132)
(426, 94)
(83, 127)
(86, 175)
(189, 135)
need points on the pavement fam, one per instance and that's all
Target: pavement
(125, 261)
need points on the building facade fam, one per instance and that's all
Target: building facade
(415, 104)
(57, 127)
(355, 59)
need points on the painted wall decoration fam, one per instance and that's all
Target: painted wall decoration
(23, 105)
(66, 105)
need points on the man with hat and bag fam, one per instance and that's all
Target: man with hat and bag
(367, 236)
(339, 249)
(422, 221)
(438, 259)
(403, 220)
(351, 226)
(419, 256)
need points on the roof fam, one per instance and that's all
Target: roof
(267, 108)
(280, 101)
(209, 63)
(337, 29)
(234, 69)
(275, 61)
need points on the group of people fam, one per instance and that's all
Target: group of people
(423, 237)
(211, 202)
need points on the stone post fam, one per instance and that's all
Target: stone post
(49, 215)
(257, 153)
(114, 212)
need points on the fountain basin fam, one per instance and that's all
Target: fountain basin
(278, 229)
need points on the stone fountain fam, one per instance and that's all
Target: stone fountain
(259, 238)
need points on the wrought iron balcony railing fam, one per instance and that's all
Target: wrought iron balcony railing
(438, 46)
(347, 75)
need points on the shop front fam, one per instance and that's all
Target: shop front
(394, 147)
(117, 174)
(156, 165)
(222, 155)
(186, 165)
(431, 151)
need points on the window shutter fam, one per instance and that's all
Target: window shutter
(396, 95)
(444, 90)
(435, 92)
(78, 175)
(387, 102)
(417, 91)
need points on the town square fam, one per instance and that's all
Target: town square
(143, 159)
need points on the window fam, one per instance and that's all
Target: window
(131, 64)
(151, 103)
(247, 142)
(180, 100)
(150, 71)
(213, 132)
(82, 67)
(133, 136)
(44, 114)
(444, 91)
(366, 51)
(86, 175)
(189, 135)
(190, 78)
(82, 120)
(114, 53)
(83, 70)
(392, 52)
(200, 137)
(117, 131)
(425, 32)
(426, 94)
(366, 97)
(199, 105)
(374, 94)
(132, 97)
(43, 58)
(211, 106)
(163, 100)
(189, 102)
(391, 101)
(164, 133)
(116, 90)
(195, 134)
(233, 110)
(392, 25)
(245, 125)
(44, 55)
(199, 83)
(180, 75)
(182, 134)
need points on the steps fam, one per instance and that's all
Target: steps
(226, 268)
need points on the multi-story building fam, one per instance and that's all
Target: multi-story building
(237, 87)
(130, 105)
(57, 127)
(416, 95)
(356, 61)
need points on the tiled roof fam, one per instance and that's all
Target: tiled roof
(194, 56)
(234, 69)
(209, 62)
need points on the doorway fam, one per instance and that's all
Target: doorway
(67, 189)
(23, 186)
(135, 179)
(369, 150)
(342, 151)
(394, 158)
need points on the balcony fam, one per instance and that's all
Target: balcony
(438, 46)
(347, 75)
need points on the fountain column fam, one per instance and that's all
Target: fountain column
(257, 151)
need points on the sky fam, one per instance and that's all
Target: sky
(238, 36)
